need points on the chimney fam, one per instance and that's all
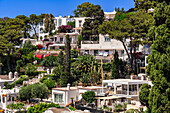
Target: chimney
(68, 86)
(10, 75)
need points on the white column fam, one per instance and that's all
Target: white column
(127, 89)
(114, 88)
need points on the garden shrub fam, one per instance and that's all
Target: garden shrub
(72, 108)
(41, 107)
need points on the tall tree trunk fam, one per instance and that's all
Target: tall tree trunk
(126, 50)
(135, 68)
(131, 54)
(35, 31)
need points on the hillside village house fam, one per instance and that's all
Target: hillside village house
(59, 40)
(59, 21)
(79, 21)
(109, 15)
(8, 96)
(63, 95)
(116, 90)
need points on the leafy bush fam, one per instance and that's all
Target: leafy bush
(131, 111)
(72, 108)
(17, 106)
(119, 107)
(41, 107)
(39, 72)
(89, 96)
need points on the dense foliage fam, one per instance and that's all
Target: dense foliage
(134, 27)
(49, 23)
(144, 94)
(41, 107)
(89, 96)
(90, 26)
(65, 29)
(17, 106)
(159, 60)
(33, 91)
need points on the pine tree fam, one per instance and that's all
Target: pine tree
(49, 23)
(159, 61)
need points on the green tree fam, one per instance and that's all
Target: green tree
(144, 4)
(144, 95)
(49, 83)
(33, 91)
(115, 66)
(147, 4)
(34, 21)
(30, 69)
(89, 96)
(49, 23)
(159, 60)
(25, 93)
(134, 27)
(27, 26)
(96, 14)
(40, 91)
(10, 35)
(50, 61)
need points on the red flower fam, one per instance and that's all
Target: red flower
(40, 46)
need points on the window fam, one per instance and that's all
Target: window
(80, 22)
(60, 22)
(41, 30)
(58, 98)
(55, 21)
(107, 39)
(61, 39)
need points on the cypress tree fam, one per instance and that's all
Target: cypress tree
(66, 78)
(115, 66)
(159, 61)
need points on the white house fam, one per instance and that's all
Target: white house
(104, 48)
(63, 95)
(59, 40)
(59, 21)
(109, 15)
(123, 89)
(79, 21)
(8, 96)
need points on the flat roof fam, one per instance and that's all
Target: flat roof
(65, 88)
(125, 81)
(79, 87)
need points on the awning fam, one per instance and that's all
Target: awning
(39, 56)
(47, 55)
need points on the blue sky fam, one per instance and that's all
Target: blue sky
(12, 8)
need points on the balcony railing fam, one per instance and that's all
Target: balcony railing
(90, 42)
(125, 92)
